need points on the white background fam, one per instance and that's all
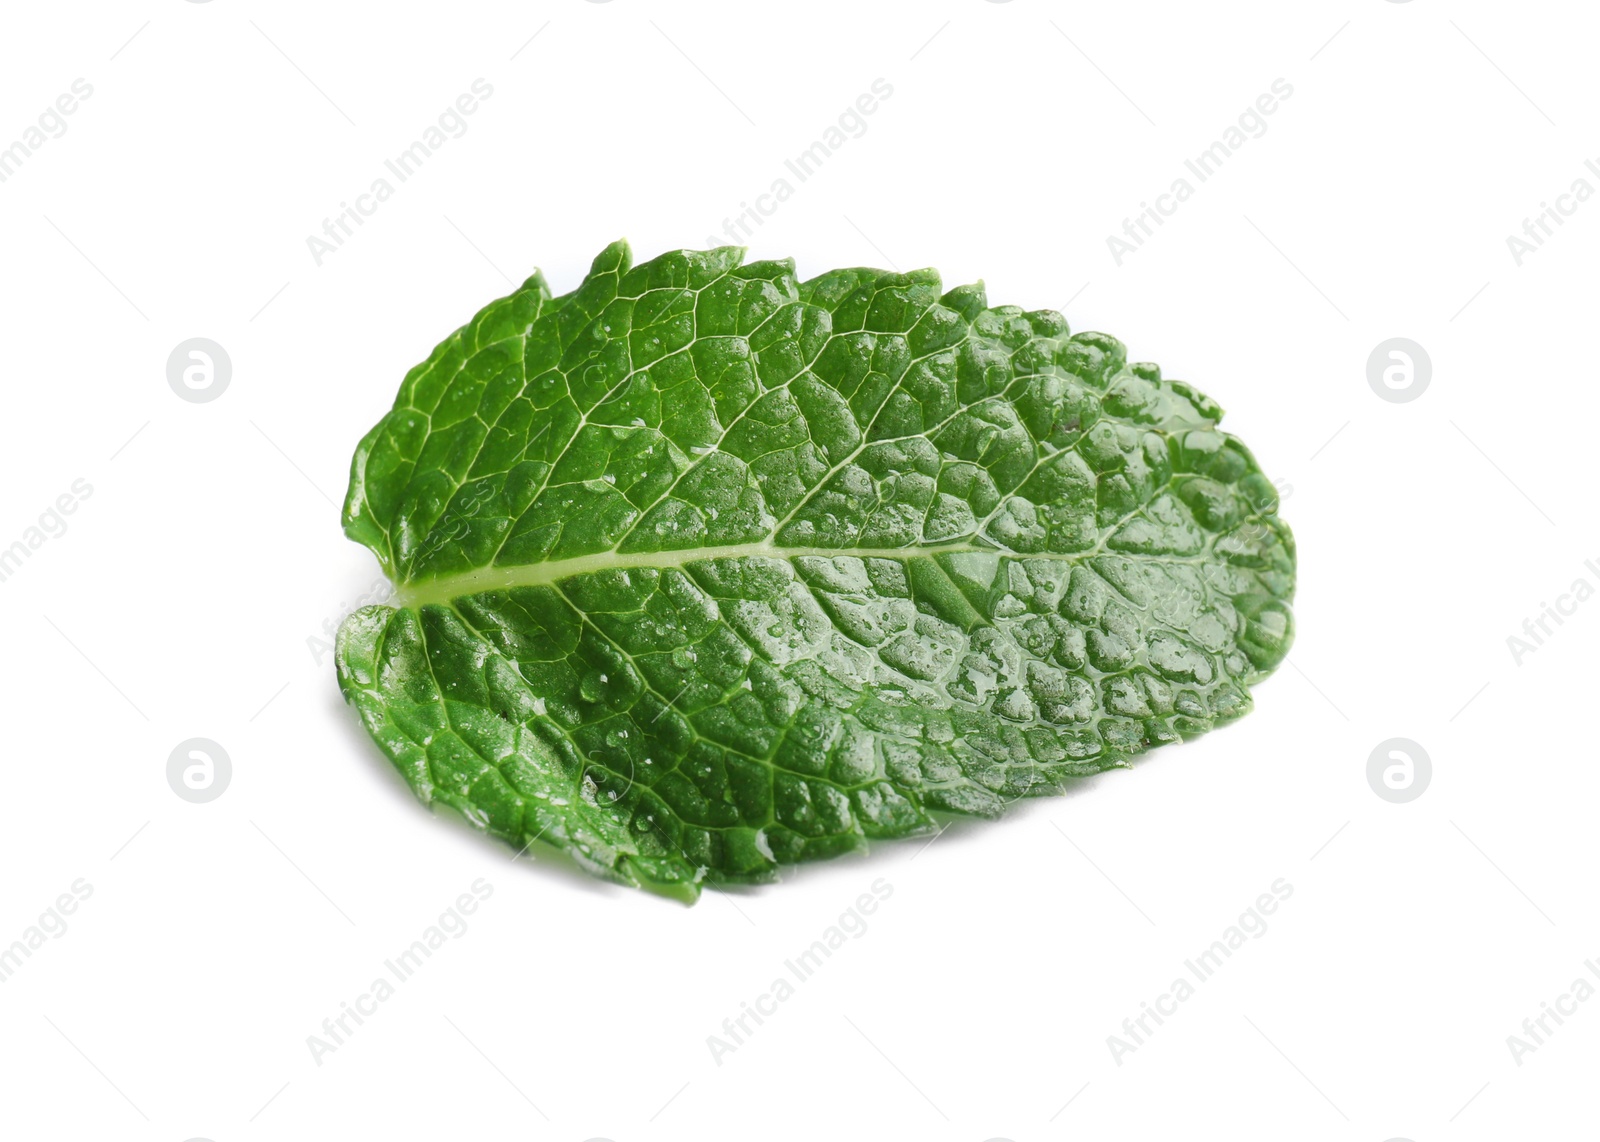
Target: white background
(186, 597)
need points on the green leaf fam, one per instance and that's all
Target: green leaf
(704, 570)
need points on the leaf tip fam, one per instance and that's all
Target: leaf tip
(616, 258)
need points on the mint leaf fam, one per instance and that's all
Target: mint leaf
(704, 570)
